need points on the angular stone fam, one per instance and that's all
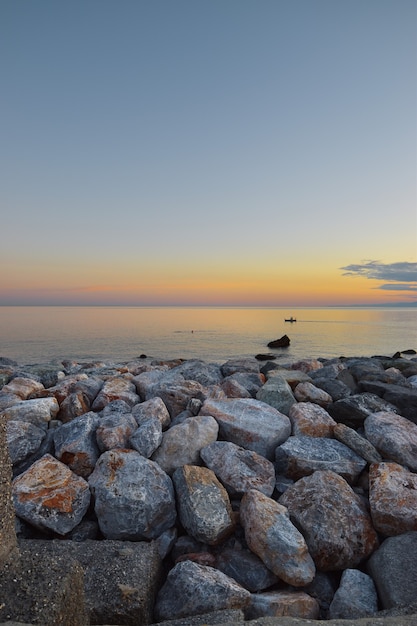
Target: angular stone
(310, 419)
(116, 388)
(76, 444)
(75, 404)
(394, 436)
(307, 365)
(133, 497)
(357, 443)
(392, 498)
(50, 496)
(271, 535)
(192, 589)
(282, 603)
(336, 525)
(147, 438)
(181, 444)
(66, 386)
(7, 400)
(354, 410)
(38, 411)
(176, 394)
(145, 381)
(292, 377)
(249, 423)
(23, 439)
(393, 569)
(404, 399)
(153, 408)
(114, 431)
(337, 389)
(245, 365)
(277, 393)
(239, 469)
(204, 373)
(301, 456)
(245, 568)
(23, 387)
(356, 596)
(203, 504)
(233, 389)
(251, 381)
(307, 392)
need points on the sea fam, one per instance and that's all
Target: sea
(119, 334)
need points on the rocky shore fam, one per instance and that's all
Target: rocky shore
(203, 493)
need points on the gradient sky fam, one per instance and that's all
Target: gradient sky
(248, 152)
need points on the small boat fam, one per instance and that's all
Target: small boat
(291, 319)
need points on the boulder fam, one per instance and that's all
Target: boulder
(147, 438)
(357, 443)
(116, 388)
(38, 411)
(245, 568)
(353, 410)
(23, 440)
(394, 436)
(246, 365)
(277, 393)
(308, 418)
(307, 392)
(23, 387)
(115, 430)
(76, 445)
(392, 498)
(282, 342)
(153, 408)
(176, 393)
(404, 399)
(271, 535)
(356, 596)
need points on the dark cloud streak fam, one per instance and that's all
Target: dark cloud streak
(401, 276)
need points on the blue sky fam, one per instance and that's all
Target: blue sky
(207, 151)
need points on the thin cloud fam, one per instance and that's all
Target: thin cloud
(400, 277)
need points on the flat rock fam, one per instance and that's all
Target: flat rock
(50, 496)
(249, 423)
(301, 456)
(392, 498)
(239, 469)
(273, 538)
(311, 419)
(133, 497)
(192, 589)
(357, 443)
(336, 525)
(394, 436)
(203, 504)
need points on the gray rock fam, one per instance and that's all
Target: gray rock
(337, 389)
(76, 444)
(181, 444)
(357, 443)
(38, 411)
(176, 393)
(282, 603)
(116, 388)
(246, 365)
(203, 504)
(115, 431)
(133, 497)
(50, 496)
(146, 381)
(147, 438)
(307, 392)
(301, 456)
(239, 469)
(354, 410)
(195, 369)
(153, 408)
(356, 596)
(394, 436)
(273, 538)
(251, 381)
(404, 399)
(347, 537)
(249, 423)
(392, 568)
(23, 440)
(277, 393)
(192, 589)
(392, 498)
(245, 568)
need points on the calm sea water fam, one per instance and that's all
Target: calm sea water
(40, 334)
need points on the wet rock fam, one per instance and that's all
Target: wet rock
(76, 444)
(301, 456)
(356, 596)
(50, 496)
(245, 568)
(357, 443)
(133, 497)
(23, 387)
(115, 430)
(277, 393)
(181, 444)
(282, 603)
(153, 408)
(147, 438)
(392, 568)
(336, 524)
(354, 410)
(239, 469)
(394, 436)
(203, 504)
(192, 589)
(392, 498)
(23, 440)
(116, 388)
(249, 423)
(282, 342)
(38, 411)
(271, 535)
(310, 419)
(307, 392)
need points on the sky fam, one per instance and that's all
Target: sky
(208, 152)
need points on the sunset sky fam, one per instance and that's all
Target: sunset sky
(208, 152)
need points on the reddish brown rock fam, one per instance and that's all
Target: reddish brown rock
(271, 535)
(311, 419)
(333, 519)
(74, 405)
(23, 387)
(116, 388)
(307, 392)
(393, 498)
